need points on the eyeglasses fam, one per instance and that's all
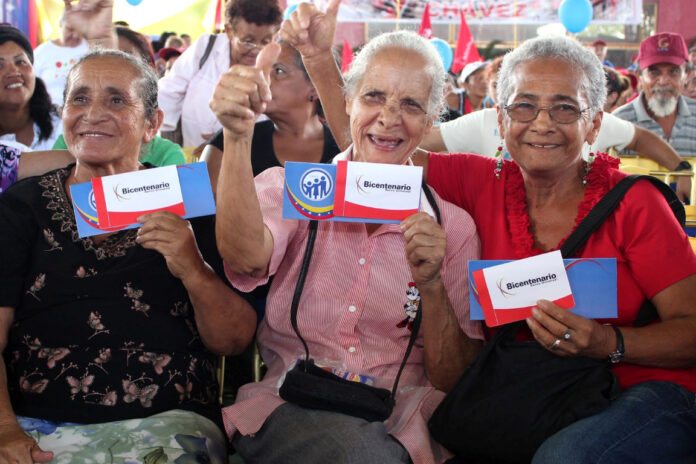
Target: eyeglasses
(562, 113)
(251, 44)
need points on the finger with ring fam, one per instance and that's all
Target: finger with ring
(566, 335)
(554, 345)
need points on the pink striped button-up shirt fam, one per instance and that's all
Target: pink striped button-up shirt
(350, 313)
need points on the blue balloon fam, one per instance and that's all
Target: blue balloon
(135, 2)
(575, 15)
(445, 52)
(288, 11)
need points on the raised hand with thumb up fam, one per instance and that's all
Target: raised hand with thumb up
(242, 93)
(310, 30)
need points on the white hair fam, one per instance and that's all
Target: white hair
(405, 40)
(592, 84)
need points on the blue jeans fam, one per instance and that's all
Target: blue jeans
(651, 422)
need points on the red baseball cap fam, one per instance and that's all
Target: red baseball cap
(599, 42)
(169, 52)
(666, 47)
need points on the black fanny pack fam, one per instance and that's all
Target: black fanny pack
(310, 386)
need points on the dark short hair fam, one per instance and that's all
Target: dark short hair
(40, 105)
(141, 42)
(12, 34)
(260, 12)
(615, 81)
(148, 79)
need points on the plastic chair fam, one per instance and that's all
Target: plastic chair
(649, 167)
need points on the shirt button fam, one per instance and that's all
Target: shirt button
(351, 349)
(351, 308)
(361, 261)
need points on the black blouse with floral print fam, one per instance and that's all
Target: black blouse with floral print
(101, 332)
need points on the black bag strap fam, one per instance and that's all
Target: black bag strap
(609, 202)
(311, 237)
(303, 274)
(604, 208)
(208, 49)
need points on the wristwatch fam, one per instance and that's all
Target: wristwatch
(683, 166)
(618, 355)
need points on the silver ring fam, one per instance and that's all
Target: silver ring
(566, 335)
(555, 345)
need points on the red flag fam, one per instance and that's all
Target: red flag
(346, 57)
(219, 25)
(466, 51)
(426, 29)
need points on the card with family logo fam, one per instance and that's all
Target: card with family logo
(192, 196)
(508, 292)
(351, 191)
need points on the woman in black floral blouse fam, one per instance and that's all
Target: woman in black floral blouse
(109, 328)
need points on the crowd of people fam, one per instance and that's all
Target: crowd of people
(110, 344)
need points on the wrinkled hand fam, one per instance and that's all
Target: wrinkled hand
(241, 94)
(310, 30)
(587, 337)
(683, 188)
(93, 19)
(173, 238)
(425, 247)
(18, 447)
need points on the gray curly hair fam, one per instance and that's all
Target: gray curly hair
(405, 40)
(592, 84)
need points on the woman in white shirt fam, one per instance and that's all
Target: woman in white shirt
(184, 93)
(27, 114)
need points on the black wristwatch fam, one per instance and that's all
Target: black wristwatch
(683, 166)
(618, 355)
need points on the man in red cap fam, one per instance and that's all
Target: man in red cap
(661, 107)
(599, 47)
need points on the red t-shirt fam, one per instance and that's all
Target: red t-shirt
(651, 249)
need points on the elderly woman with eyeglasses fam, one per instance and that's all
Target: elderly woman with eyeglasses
(551, 92)
(185, 91)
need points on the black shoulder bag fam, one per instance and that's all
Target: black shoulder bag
(312, 387)
(517, 394)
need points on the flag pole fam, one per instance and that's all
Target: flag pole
(398, 13)
(514, 29)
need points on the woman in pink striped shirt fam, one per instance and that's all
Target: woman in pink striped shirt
(365, 282)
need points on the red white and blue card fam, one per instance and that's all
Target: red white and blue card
(112, 203)
(592, 285)
(122, 198)
(351, 191)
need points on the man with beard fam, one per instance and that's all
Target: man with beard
(661, 107)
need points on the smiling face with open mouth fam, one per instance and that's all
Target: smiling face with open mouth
(542, 145)
(388, 109)
(104, 114)
(16, 75)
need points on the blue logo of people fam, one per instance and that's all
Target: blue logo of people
(92, 202)
(316, 184)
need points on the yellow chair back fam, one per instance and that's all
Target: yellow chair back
(188, 155)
